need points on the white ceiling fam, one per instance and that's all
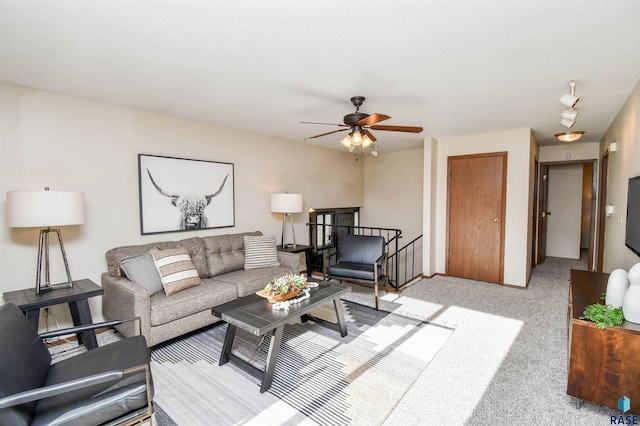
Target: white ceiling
(452, 67)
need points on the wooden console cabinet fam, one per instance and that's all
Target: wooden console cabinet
(604, 365)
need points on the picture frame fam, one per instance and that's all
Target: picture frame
(181, 194)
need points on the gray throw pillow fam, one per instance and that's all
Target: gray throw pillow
(142, 270)
(260, 252)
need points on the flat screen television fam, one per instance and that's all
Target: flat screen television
(632, 237)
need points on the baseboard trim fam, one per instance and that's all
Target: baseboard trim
(515, 286)
(428, 277)
(62, 340)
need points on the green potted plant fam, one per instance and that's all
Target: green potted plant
(603, 315)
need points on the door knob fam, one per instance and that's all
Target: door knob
(496, 220)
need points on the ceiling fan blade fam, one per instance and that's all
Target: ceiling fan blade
(328, 133)
(373, 119)
(328, 124)
(368, 133)
(408, 129)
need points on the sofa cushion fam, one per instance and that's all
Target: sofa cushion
(248, 281)
(142, 270)
(190, 301)
(260, 251)
(176, 269)
(225, 253)
(194, 245)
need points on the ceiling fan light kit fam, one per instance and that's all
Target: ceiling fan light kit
(569, 115)
(346, 142)
(358, 125)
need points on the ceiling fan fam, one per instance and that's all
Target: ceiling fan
(358, 125)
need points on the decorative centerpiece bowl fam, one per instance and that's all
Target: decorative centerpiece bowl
(283, 288)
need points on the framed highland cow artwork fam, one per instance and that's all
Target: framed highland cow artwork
(180, 194)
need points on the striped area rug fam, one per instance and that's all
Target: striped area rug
(320, 377)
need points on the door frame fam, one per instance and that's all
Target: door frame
(534, 213)
(602, 200)
(542, 207)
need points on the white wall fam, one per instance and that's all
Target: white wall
(518, 145)
(565, 204)
(71, 143)
(623, 164)
(575, 151)
(393, 195)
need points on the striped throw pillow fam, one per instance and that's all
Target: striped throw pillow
(176, 269)
(260, 252)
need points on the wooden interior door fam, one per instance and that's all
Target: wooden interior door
(476, 197)
(543, 190)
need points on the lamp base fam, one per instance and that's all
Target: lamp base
(49, 287)
(284, 227)
(43, 257)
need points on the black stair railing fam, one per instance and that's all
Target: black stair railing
(325, 237)
(404, 261)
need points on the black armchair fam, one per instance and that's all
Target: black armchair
(111, 383)
(361, 259)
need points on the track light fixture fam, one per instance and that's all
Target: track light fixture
(375, 151)
(569, 115)
(570, 100)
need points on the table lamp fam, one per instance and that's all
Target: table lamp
(26, 209)
(287, 204)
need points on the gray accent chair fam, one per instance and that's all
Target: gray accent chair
(110, 384)
(360, 259)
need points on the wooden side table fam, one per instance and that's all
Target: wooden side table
(77, 297)
(604, 365)
(299, 248)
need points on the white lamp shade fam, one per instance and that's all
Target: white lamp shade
(44, 208)
(286, 203)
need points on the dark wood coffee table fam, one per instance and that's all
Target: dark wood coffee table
(254, 314)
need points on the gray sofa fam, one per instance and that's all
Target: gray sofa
(219, 261)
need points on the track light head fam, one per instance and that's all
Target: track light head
(375, 151)
(570, 114)
(570, 100)
(567, 123)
